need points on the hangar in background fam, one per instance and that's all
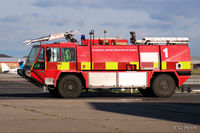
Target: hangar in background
(195, 62)
(11, 62)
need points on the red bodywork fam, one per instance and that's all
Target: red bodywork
(94, 57)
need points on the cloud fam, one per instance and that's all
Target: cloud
(111, 24)
(147, 17)
(160, 9)
(35, 14)
(123, 4)
(11, 19)
(59, 22)
(119, 4)
(44, 3)
(80, 23)
(68, 3)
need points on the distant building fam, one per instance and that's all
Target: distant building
(11, 62)
(195, 64)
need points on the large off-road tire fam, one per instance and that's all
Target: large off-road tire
(69, 86)
(148, 92)
(163, 85)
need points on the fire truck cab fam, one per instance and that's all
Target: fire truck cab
(154, 65)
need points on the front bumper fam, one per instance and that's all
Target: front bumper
(24, 74)
(184, 73)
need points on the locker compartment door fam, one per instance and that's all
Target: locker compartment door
(102, 80)
(149, 57)
(132, 79)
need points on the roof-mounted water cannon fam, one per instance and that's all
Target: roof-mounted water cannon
(67, 35)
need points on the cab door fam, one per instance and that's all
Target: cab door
(53, 59)
(38, 68)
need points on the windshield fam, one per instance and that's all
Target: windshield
(31, 57)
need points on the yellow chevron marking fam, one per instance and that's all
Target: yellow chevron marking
(135, 63)
(85, 65)
(164, 65)
(185, 64)
(63, 66)
(156, 65)
(111, 65)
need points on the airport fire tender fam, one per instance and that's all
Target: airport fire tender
(154, 65)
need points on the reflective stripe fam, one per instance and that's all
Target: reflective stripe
(33, 65)
(185, 64)
(155, 65)
(111, 65)
(85, 65)
(67, 55)
(135, 63)
(63, 66)
(164, 65)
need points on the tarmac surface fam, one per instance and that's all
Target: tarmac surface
(25, 108)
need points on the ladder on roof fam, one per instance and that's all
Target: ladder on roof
(67, 35)
(167, 40)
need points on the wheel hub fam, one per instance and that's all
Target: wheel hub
(164, 85)
(70, 87)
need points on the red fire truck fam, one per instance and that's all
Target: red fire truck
(154, 65)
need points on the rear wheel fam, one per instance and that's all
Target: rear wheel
(163, 85)
(69, 86)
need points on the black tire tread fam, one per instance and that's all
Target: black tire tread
(156, 83)
(72, 78)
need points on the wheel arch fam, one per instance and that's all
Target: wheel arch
(172, 74)
(79, 75)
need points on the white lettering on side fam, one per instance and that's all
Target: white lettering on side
(166, 52)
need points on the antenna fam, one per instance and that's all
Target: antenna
(105, 37)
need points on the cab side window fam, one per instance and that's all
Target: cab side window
(40, 64)
(53, 54)
(41, 55)
(68, 54)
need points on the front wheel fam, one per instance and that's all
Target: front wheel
(69, 86)
(163, 85)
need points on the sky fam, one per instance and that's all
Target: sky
(21, 20)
